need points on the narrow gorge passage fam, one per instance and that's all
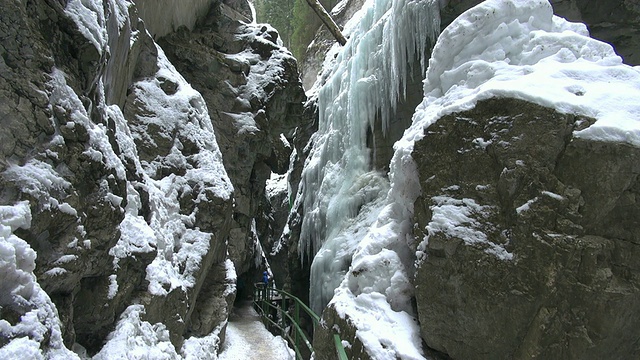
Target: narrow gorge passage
(459, 180)
(248, 339)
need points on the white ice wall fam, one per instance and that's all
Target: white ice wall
(360, 82)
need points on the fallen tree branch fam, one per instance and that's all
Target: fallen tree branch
(327, 20)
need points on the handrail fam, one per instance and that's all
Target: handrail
(266, 299)
(342, 355)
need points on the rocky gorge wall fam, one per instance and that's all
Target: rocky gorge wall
(571, 292)
(128, 195)
(255, 99)
(136, 146)
(566, 207)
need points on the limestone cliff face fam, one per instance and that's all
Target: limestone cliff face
(131, 186)
(566, 212)
(254, 96)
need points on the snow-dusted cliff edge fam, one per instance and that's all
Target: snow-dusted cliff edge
(121, 229)
(507, 228)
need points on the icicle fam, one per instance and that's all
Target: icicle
(254, 16)
(367, 78)
(362, 80)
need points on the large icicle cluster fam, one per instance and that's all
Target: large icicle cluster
(361, 84)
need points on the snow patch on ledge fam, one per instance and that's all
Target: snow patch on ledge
(89, 17)
(455, 218)
(134, 338)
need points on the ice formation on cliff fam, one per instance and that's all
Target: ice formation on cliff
(360, 83)
(512, 48)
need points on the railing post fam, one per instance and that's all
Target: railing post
(264, 291)
(283, 309)
(265, 307)
(296, 318)
(342, 355)
(263, 297)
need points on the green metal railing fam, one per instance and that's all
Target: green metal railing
(281, 310)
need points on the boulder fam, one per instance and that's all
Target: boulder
(530, 237)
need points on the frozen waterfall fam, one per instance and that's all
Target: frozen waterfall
(361, 83)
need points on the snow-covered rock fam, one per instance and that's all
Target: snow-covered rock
(532, 232)
(614, 22)
(29, 317)
(252, 90)
(506, 190)
(116, 206)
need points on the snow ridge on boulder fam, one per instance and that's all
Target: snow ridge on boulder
(530, 109)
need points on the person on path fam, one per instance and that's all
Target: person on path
(265, 279)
